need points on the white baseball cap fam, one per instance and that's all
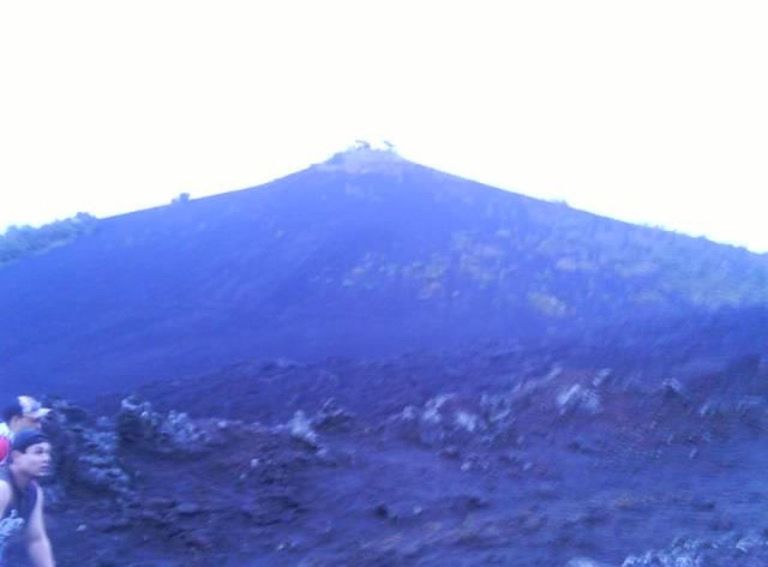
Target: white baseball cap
(30, 407)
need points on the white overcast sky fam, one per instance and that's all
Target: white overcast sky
(652, 111)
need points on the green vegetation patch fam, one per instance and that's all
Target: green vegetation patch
(20, 241)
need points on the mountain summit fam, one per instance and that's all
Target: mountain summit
(366, 254)
(366, 158)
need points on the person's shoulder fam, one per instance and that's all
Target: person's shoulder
(5, 491)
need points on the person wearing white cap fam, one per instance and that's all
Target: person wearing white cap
(24, 412)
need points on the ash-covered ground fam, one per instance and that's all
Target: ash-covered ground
(513, 456)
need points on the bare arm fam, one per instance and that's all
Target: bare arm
(38, 544)
(5, 497)
(6, 524)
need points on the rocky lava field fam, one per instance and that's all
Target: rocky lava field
(511, 454)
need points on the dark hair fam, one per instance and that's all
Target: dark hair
(11, 410)
(25, 438)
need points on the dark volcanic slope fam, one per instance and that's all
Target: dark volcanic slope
(366, 254)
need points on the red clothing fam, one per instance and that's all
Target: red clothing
(5, 448)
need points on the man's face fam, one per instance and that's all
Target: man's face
(19, 422)
(35, 461)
